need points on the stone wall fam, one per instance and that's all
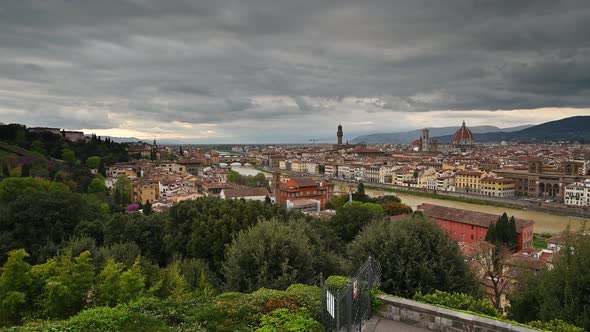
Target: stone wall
(440, 319)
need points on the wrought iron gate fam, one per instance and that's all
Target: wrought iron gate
(346, 309)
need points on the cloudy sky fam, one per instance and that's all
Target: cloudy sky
(288, 71)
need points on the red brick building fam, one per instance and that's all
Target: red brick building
(471, 226)
(307, 188)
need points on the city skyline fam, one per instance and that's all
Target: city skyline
(281, 72)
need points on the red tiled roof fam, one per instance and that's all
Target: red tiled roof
(305, 182)
(243, 191)
(466, 216)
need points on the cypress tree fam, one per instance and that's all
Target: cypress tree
(5, 170)
(513, 233)
(147, 208)
(502, 230)
(25, 171)
(101, 169)
(491, 234)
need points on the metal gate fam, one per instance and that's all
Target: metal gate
(347, 308)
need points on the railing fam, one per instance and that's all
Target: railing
(346, 309)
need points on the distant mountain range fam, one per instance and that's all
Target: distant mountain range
(410, 136)
(575, 128)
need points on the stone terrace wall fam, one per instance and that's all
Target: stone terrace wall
(440, 319)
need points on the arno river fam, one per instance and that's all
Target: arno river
(544, 222)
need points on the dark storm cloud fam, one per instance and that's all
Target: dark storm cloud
(104, 64)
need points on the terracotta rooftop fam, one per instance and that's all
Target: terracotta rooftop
(305, 182)
(243, 191)
(466, 216)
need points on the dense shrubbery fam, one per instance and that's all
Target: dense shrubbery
(458, 301)
(555, 325)
(286, 320)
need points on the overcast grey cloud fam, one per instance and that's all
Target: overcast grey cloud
(281, 71)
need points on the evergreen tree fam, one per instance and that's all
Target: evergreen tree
(67, 285)
(15, 285)
(513, 233)
(132, 283)
(147, 208)
(5, 170)
(101, 169)
(360, 189)
(25, 171)
(172, 284)
(491, 234)
(503, 233)
(109, 283)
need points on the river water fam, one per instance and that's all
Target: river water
(246, 170)
(544, 222)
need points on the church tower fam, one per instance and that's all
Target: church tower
(425, 141)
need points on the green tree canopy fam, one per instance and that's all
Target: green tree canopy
(38, 147)
(393, 208)
(93, 162)
(350, 219)
(35, 220)
(270, 254)
(68, 155)
(97, 186)
(67, 281)
(203, 228)
(121, 193)
(415, 255)
(12, 188)
(15, 287)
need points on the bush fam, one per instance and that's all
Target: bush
(337, 282)
(307, 297)
(168, 312)
(376, 302)
(458, 301)
(99, 319)
(285, 320)
(555, 325)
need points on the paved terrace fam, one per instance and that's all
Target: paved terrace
(377, 324)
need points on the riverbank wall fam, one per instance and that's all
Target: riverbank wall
(547, 207)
